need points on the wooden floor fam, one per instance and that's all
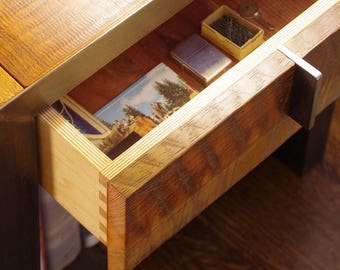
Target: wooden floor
(272, 219)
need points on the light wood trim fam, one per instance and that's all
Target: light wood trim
(317, 32)
(70, 171)
(100, 48)
(9, 88)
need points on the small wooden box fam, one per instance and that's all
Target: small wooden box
(226, 44)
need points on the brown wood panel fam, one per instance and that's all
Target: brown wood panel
(36, 36)
(19, 226)
(329, 49)
(273, 219)
(8, 87)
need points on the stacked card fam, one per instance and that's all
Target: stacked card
(200, 57)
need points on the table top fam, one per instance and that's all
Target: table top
(8, 86)
(37, 37)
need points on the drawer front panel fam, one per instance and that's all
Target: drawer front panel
(156, 210)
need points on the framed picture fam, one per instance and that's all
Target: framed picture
(133, 113)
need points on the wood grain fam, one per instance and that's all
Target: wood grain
(9, 88)
(37, 36)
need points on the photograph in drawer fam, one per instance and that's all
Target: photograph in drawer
(133, 113)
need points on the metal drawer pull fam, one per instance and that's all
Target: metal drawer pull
(305, 90)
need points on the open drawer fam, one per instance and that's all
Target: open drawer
(136, 201)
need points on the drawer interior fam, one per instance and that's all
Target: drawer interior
(115, 77)
(137, 60)
(69, 185)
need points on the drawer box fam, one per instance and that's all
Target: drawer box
(141, 198)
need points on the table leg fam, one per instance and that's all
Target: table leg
(306, 148)
(19, 226)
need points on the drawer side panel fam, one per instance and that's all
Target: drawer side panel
(70, 171)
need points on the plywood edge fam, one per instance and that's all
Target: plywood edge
(9, 87)
(103, 208)
(202, 105)
(70, 171)
(78, 141)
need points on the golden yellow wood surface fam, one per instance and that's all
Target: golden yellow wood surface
(70, 171)
(8, 87)
(36, 36)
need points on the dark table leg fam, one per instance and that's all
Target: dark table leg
(306, 148)
(19, 226)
